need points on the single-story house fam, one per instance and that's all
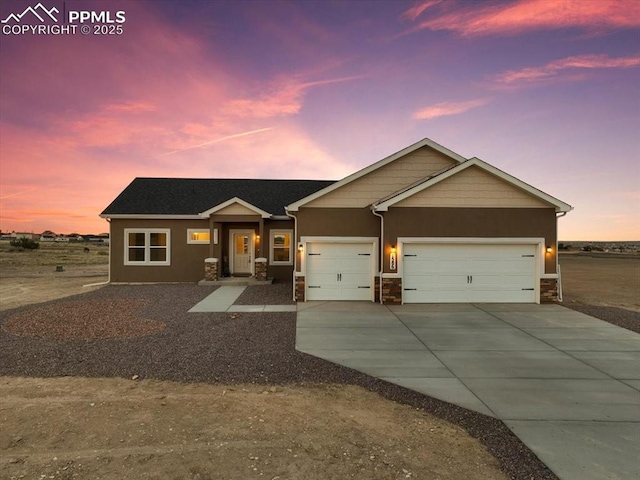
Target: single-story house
(422, 225)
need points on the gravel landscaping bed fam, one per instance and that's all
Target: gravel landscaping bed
(617, 316)
(224, 348)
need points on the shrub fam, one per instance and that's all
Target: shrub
(24, 243)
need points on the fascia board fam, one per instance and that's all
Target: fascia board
(426, 142)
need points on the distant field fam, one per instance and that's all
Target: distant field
(30, 276)
(54, 253)
(601, 279)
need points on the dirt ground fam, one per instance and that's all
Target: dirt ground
(601, 279)
(69, 428)
(30, 276)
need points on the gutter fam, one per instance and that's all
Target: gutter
(558, 271)
(381, 248)
(295, 257)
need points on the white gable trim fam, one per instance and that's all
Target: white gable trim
(560, 206)
(231, 201)
(361, 173)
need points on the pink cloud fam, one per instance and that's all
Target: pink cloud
(471, 19)
(283, 99)
(448, 108)
(556, 68)
(415, 11)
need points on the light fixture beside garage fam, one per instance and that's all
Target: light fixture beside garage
(392, 258)
(549, 249)
(300, 247)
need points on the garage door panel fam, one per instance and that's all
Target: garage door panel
(339, 271)
(469, 273)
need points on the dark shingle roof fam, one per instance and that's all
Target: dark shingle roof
(190, 196)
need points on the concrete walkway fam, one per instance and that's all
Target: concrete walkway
(222, 300)
(567, 384)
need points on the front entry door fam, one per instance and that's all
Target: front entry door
(241, 251)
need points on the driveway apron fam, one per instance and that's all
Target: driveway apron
(567, 384)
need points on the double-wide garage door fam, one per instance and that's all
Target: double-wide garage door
(468, 273)
(339, 271)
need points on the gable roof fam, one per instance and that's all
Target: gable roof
(190, 197)
(384, 204)
(426, 142)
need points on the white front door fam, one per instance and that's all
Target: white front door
(242, 247)
(339, 271)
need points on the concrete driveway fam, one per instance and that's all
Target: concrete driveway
(567, 384)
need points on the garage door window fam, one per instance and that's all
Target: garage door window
(146, 247)
(281, 247)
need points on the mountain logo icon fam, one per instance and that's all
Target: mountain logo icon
(39, 11)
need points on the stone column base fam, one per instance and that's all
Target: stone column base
(392, 291)
(261, 269)
(548, 290)
(299, 289)
(211, 269)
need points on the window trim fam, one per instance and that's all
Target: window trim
(272, 234)
(147, 246)
(191, 231)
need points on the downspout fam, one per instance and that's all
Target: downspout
(295, 256)
(381, 248)
(559, 280)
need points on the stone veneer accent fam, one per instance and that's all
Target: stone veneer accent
(211, 269)
(376, 287)
(548, 290)
(392, 290)
(299, 289)
(261, 269)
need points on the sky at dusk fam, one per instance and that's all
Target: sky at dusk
(547, 90)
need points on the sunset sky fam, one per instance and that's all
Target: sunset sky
(547, 90)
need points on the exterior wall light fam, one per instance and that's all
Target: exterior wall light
(549, 249)
(300, 247)
(393, 260)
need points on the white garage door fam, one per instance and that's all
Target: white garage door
(469, 273)
(339, 271)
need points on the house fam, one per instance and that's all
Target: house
(422, 225)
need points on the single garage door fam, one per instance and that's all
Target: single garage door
(339, 271)
(469, 273)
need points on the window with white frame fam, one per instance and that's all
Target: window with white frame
(147, 246)
(281, 251)
(198, 235)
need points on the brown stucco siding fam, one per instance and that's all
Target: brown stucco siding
(187, 260)
(472, 222)
(336, 222)
(342, 222)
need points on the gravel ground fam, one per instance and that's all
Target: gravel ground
(278, 293)
(220, 348)
(618, 316)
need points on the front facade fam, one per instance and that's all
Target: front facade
(423, 225)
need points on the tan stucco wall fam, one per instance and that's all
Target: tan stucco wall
(235, 209)
(473, 187)
(187, 260)
(472, 222)
(385, 180)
